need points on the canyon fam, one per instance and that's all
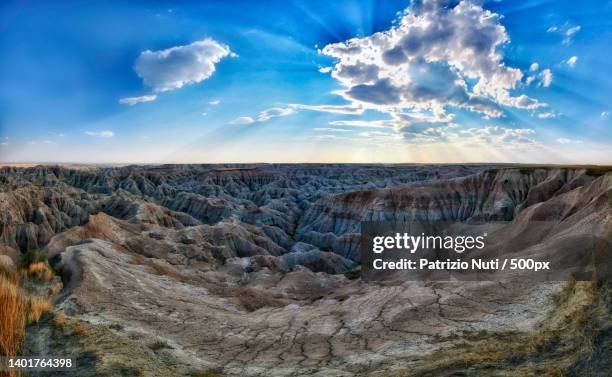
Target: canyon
(254, 270)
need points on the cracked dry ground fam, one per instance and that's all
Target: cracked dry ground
(250, 270)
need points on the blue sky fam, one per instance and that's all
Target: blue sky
(306, 81)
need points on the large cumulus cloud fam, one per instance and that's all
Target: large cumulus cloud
(440, 55)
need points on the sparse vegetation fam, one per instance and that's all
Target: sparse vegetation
(158, 345)
(572, 342)
(12, 317)
(17, 307)
(215, 372)
(39, 271)
(32, 256)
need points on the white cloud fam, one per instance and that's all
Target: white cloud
(329, 137)
(103, 134)
(572, 61)
(546, 115)
(363, 123)
(563, 140)
(604, 114)
(131, 101)
(573, 30)
(332, 109)
(36, 142)
(524, 102)
(566, 31)
(4, 143)
(214, 102)
(426, 62)
(331, 130)
(534, 67)
(500, 137)
(265, 115)
(242, 120)
(177, 66)
(529, 80)
(546, 78)
(325, 69)
(274, 112)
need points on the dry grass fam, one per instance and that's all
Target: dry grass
(37, 307)
(12, 319)
(39, 271)
(571, 342)
(208, 373)
(17, 309)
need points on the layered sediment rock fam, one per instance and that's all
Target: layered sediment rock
(241, 269)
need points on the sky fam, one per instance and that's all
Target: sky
(306, 81)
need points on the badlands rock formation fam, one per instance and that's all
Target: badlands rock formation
(250, 270)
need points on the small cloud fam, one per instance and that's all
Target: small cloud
(546, 115)
(274, 112)
(569, 33)
(566, 31)
(332, 109)
(326, 137)
(36, 142)
(204, 114)
(534, 67)
(131, 101)
(331, 130)
(529, 80)
(604, 114)
(546, 78)
(265, 115)
(573, 30)
(4, 143)
(325, 69)
(242, 120)
(214, 102)
(177, 66)
(103, 134)
(564, 140)
(572, 61)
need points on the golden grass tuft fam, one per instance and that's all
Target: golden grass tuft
(9, 273)
(17, 309)
(39, 271)
(12, 319)
(37, 307)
